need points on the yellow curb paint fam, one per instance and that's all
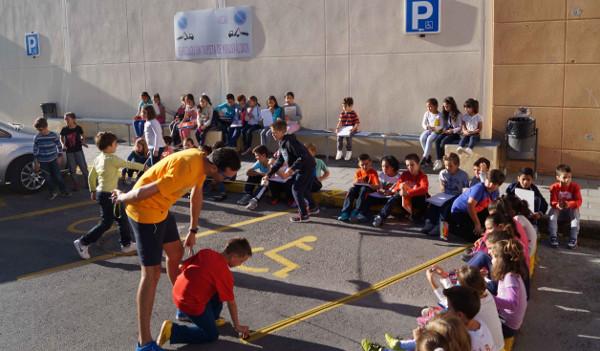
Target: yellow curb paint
(287, 322)
(47, 210)
(77, 264)
(72, 228)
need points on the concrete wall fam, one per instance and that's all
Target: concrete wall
(97, 56)
(547, 56)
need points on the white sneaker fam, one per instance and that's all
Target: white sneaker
(252, 204)
(468, 151)
(339, 155)
(438, 165)
(82, 250)
(129, 248)
(459, 150)
(348, 156)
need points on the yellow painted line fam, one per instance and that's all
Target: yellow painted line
(47, 210)
(289, 265)
(73, 227)
(77, 264)
(287, 322)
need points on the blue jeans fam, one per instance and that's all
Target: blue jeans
(442, 141)
(155, 159)
(51, 172)
(138, 127)
(469, 140)
(247, 131)
(204, 328)
(233, 135)
(571, 214)
(357, 194)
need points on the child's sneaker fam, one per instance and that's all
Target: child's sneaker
(344, 217)
(252, 204)
(299, 219)
(132, 247)
(460, 150)
(314, 211)
(361, 218)
(151, 346)
(427, 227)
(82, 250)
(339, 155)
(377, 221)
(348, 156)
(368, 345)
(438, 165)
(553, 242)
(244, 200)
(572, 244)
(469, 151)
(165, 333)
(392, 342)
(220, 322)
(52, 196)
(444, 230)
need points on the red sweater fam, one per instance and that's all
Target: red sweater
(418, 185)
(571, 194)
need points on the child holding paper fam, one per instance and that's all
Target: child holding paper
(276, 113)
(347, 126)
(366, 181)
(293, 113)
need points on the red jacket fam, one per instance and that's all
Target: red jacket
(571, 194)
(417, 185)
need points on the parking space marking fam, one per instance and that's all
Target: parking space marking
(110, 255)
(275, 256)
(47, 210)
(287, 322)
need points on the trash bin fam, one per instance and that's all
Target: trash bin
(49, 110)
(521, 135)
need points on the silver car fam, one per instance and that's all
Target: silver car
(16, 158)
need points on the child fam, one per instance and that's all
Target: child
(102, 182)
(471, 127)
(321, 170)
(46, 152)
(239, 120)
(410, 190)
(139, 154)
(188, 144)
(138, 120)
(292, 112)
(480, 171)
(252, 123)
(470, 208)
(219, 185)
(159, 108)
(177, 118)
(188, 125)
(348, 120)
(301, 168)
(168, 149)
(452, 122)
(205, 281)
(565, 200)
(72, 139)
(366, 181)
(258, 170)
(432, 125)
(228, 111)
(521, 214)
(525, 181)
(508, 270)
(277, 113)
(205, 118)
(388, 177)
(452, 181)
(153, 135)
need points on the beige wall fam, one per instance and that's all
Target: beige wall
(546, 56)
(97, 56)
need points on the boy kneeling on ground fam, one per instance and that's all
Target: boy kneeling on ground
(203, 284)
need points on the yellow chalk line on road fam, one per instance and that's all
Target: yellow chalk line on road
(287, 322)
(107, 256)
(47, 210)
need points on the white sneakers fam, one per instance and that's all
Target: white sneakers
(252, 204)
(339, 155)
(129, 248)
(82, 250)
(348, 156)
(464, 150)
(438, 165)
(468, 151)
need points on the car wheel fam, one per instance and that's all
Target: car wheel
(23, 178)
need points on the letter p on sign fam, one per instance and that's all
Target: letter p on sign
(418, 15)
(422, 16)
(32, 44)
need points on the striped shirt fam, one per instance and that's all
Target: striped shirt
(46, 147)
(348, 119)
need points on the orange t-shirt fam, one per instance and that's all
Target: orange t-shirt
(175, 175)
(369, 176)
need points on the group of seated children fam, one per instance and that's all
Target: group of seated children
(478, 306)
(449, 127)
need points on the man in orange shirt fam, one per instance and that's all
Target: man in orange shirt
(366, 181)
(155, 228)
(410, 190)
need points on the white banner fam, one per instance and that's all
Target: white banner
(216, 33)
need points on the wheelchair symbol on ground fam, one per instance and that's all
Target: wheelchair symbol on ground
(275, 255)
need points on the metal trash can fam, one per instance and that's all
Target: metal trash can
(49, 110)
(521, 136)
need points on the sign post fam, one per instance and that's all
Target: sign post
(422, 17)
(32, 44)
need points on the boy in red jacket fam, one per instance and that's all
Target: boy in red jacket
(410, 190)
(205, 282)
(565, 200)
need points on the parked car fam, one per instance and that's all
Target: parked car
(16, 158)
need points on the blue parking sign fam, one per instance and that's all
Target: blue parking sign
(422, 16)
(32, 44)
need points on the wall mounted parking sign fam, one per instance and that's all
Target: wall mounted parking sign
(32, 44)
(422, 16)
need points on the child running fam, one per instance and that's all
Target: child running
(103, 180)
(203, 284)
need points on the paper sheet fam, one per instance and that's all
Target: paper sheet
(345, 131)
(527, 195)
(267, 117)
